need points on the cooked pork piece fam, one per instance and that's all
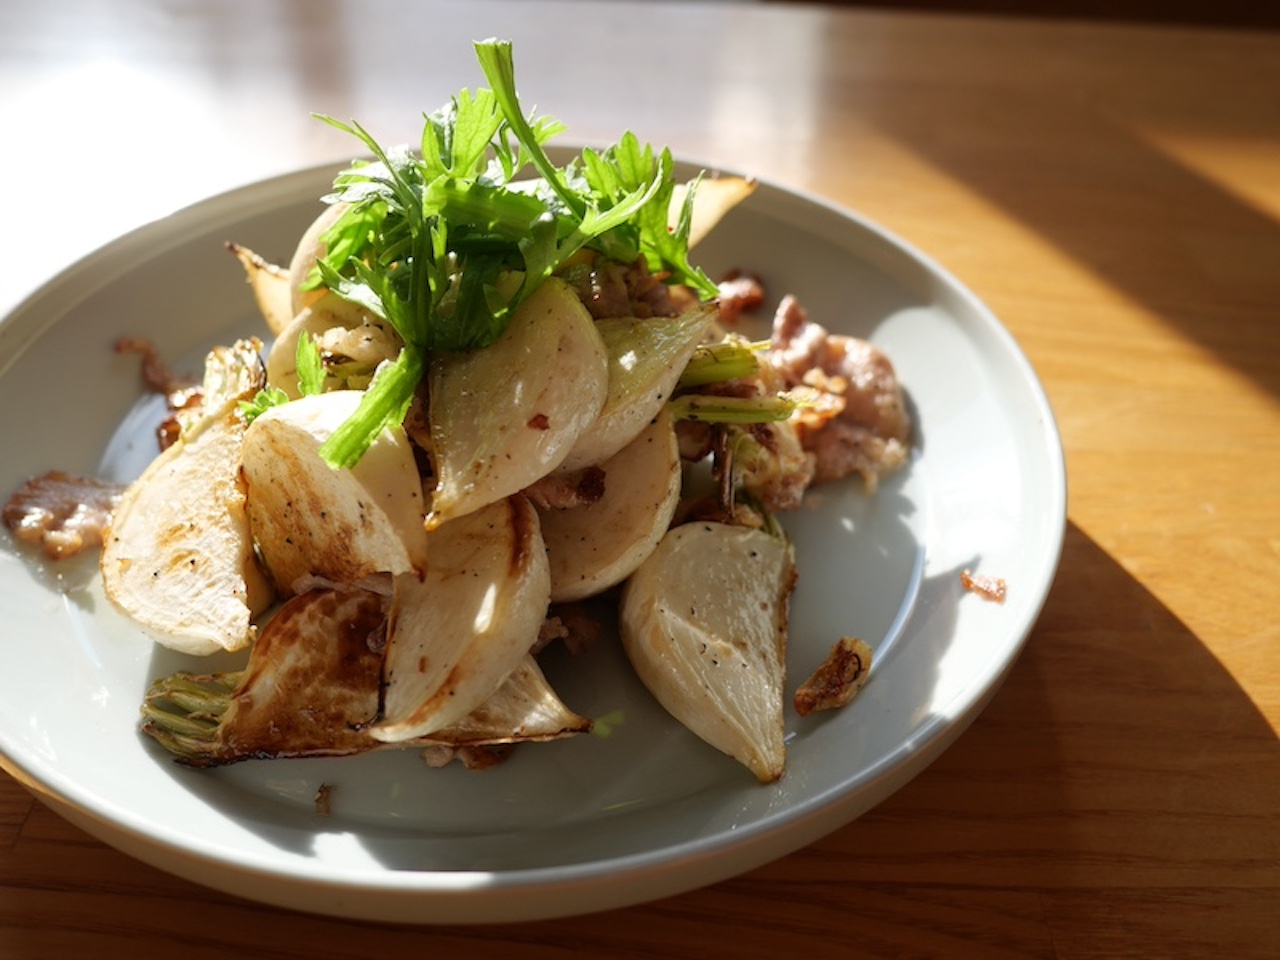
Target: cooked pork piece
(563, 491)
(855, 419)
(739, 293)
(854, 369)
(611, 289)
(984, 585)
(184, 397)
(60, 513)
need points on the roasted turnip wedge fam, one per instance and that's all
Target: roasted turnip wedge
(597, 545)
(270, 286)
(507, 415)
(646, 358)
(525, 708)
(178, 555)
(311, 520)
(310, 689)
(704, 623)
(455, 635)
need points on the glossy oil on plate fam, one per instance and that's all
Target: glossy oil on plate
(638, 810)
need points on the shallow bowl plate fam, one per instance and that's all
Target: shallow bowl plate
(574, 826)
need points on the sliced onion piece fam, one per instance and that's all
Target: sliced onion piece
(525, 708)
(714, 197)
(270, 286)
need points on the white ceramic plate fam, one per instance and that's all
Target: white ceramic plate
(568, 827)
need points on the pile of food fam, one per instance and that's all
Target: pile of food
(490, 391)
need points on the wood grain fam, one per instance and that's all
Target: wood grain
(1113, 192)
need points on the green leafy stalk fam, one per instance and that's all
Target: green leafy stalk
(183, 712)
(730, 359)
(310, 366)
(709, 408)
(498, 64)
(384, 404)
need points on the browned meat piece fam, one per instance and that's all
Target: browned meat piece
(578, 625)
(854, 369)
(779, 477)
(838, 678)
(471, 757)
(739, 293)
(181, 394)
(61, 513)
(985, 586)
(611, 289)
(155, 372)
(841, 448)
(563, 491)
(855, 419)
(696, 438)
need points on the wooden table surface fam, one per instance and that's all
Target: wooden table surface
(1112, 192)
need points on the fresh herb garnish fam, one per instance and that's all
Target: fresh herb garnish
(428, 234)
(262, 401)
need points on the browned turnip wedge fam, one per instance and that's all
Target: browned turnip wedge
(178, 555)
(597, 545)
(713, 198)
(525, 708)
(704, 623)
(646, 358)
(507, 415)
(310, 520)
(310, 689)
(270, 285)
(454, 636)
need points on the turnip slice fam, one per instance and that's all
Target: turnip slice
(597, 545)
(507, 415)
(178, 556)
(645, 358)
(455, 635)
(704, 623)
(311, 520)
